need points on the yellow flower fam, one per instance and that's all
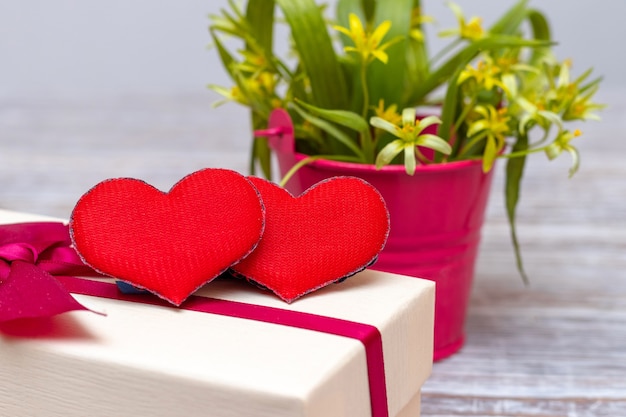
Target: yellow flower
(389, 114)
(493, 121)
(254, 59)
(491, 126)
(409, 136)
(253, 64)
(417, 20)
(267, 81)
(572, 100)
(367, 44)
(486, 75)
(582, 108)
(256, 91)
(232, 94)
(472, 30)
(235, 94)
(562, 143)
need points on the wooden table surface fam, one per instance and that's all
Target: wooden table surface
(556, 348)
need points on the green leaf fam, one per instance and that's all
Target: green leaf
(541, 31)
(332, 130)
(387, 81)
(348, 119)
(225, 56)
(448, 111)
(229, 24)
(316, 53)
(418, 61)
(418, 67)
(514, 173)
(582, 77)
(539, 24)
(260, 151)
(345, 118)
(510, 22)
(260, 15)
(590, 88)
(369, 6)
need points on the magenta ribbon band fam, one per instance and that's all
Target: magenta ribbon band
(37, 274)
(368, 335)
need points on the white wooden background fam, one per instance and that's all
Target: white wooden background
(557, 348)
(90, 91)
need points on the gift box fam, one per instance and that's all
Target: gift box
(243, 352)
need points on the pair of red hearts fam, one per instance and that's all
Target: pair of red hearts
(214, 219)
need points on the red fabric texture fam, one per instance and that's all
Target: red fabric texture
(333, 230)
(168, 243)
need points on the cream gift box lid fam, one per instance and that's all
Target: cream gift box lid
(142, 360)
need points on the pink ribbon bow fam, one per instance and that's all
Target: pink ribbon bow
(30, 255)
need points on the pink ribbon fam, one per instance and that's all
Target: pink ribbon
(30, 254)
(368, 335)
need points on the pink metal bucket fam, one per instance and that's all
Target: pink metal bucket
(436, 216)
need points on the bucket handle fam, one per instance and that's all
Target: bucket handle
(279, 133)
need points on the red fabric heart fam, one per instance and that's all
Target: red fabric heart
(333, 230)
(168, 243)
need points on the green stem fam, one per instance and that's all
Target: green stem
(421, 157)
(366, 93)
(310, 159)
(458, 143)
(513, 179)
(367, 143)
(471, 143)
(297, 167)
(522, 153)
(464, 113)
